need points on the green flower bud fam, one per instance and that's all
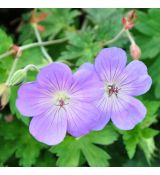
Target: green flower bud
(18, 77)
(4, 95)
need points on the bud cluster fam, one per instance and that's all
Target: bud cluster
(4, 95)
(129, 22)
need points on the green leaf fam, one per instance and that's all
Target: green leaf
(31, 56)
(149, 26)
(104, 137)
(28, 149)
(46, 160)
(69, 150)
(9, 130)
(149, 133)
(82, 47)
(17, 136)
(105, 21)
(147, 23)
(6, 40)
(131, 140)
(140, 137)
(95, 156)
(7, 149)
(5, 63)
(154, 70)
(151, 116)
(149, 148)
(58, 20)
(142, 133)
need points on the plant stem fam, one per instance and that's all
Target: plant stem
(31, 67)
(32, 45)
(43, 50)
(84, 25)
(115, 38)
(12, 69)
(130, 37)
(45, 43)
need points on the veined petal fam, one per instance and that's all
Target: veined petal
(57, 76)
(127, 112)
(50, 127)
(32, 99)
(109, 63)
(82, 117)
(105, 108)
(86, 85)
(135, 80)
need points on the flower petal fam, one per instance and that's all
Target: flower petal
(102, 122)
(86, 85)
(102, 102)
(87, 66)
(104, 106)
(109, 63)
(50, 127)
(32, 99)
(57, 76)
(135, 80)
(82, 117)
(127, 112)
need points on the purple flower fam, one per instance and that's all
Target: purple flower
(60, 102)
(119, 84)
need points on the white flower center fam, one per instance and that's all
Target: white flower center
(61, 98)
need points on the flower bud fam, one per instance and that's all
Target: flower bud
(18, 77)
(129, 20)
(16, 50)
(38, 17)
(135, 51)
(4, 95)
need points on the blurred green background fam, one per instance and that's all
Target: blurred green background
(86, 30)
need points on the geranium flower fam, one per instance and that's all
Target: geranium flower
(119, 84)
(60, 101)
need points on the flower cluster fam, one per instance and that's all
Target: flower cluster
(78, 103)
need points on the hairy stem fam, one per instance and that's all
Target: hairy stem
(32, 45)
(12, 69)
(130, 37)
(43, 50)
(115, 38)
(31, 67)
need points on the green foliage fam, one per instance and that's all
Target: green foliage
(69, 151)
(8, 41)
(18, 141)
(87, 31)
(82, 47)
(105, 21)
(149, 26)
(57, 21)
(148, 38)
(142, 135)
(4, 65)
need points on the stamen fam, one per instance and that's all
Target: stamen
(112, 89)
(61, 103)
